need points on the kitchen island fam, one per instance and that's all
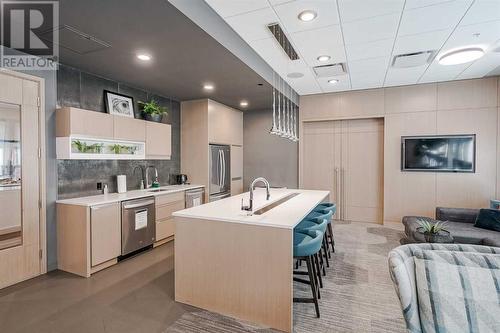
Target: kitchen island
(241, 265)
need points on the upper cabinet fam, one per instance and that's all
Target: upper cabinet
(225, 124)
(78, 122)
(115, 137)
(158, 141)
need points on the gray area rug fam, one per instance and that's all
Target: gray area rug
(358, 295)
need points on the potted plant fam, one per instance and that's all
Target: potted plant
(434, 232)
(152, 111)
(80, 146)
(116, 148)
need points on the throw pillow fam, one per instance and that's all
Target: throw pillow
(488, 219)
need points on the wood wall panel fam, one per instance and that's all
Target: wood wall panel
(322, 106)
(406, 192)
(467, 94)
(472, 190)
(362, 103)
(411, 98)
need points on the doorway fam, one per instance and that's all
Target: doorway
(346, 157)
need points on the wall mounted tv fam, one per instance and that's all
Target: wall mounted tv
(439, 153)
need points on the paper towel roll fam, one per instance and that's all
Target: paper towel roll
(121, 180)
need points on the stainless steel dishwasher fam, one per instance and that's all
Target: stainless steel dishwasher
(138, 224)
(195, 197)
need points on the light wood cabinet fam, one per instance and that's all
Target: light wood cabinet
(205, 122)
(105, 230)
(158, 140)
(237, 186)
(166, 205)
(73, 121)
(129, 129)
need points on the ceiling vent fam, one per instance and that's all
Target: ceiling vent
(74, 40)
(284, 42)
(330, 70)
(412, 59)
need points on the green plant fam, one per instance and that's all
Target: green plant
(428, 227)
(95, 148)
(152, 107)
(116, 148)
(80, 146)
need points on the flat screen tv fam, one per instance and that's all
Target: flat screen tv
(439, 153)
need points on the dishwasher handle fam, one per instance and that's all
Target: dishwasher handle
(137, 204)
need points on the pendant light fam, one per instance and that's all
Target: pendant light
(274, 129)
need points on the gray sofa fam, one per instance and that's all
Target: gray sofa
(460, 225)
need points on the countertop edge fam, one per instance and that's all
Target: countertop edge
(134, 195)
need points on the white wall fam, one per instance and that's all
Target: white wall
(458, 107)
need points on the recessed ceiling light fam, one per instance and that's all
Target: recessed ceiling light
(243, 103)
(333, 81)
(307, 15)
(295, 75)
(144, 57)
(461, 56)
(208, 86)
(323, 58)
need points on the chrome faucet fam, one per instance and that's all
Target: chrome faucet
(252, 187)
(141, 169)
(148, 184)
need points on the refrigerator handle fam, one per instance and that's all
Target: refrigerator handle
(220, 168)
(223, 169)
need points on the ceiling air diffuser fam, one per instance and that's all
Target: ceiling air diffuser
(412, 59)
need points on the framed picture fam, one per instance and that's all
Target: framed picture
(118, 104)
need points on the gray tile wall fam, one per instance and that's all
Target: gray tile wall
(84, 90)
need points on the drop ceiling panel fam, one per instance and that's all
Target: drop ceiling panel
(229, 8)
(352, 10)
(489, 33)
(482, 11)
(367, 34)
(403, 76)
(371, 29)
(288, 14)
(253, 25)
(481, 67)
(421, 42)
(411, 4)
(438, 17)
(324, 41)
(379, 48)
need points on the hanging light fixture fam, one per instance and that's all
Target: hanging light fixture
(274, 129)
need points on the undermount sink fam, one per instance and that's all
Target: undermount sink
(159, 190)
(275, 204)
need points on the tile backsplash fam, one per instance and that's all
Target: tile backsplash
(80, 177)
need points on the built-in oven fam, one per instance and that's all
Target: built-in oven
(195, 197)
(138, 224)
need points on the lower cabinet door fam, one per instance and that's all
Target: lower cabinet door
(105, 230)
(164, 229)
(237, 186)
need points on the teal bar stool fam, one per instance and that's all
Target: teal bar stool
(305, 246)
(323, 208)
(318, 217)
(317, 225)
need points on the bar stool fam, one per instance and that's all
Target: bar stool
(305, 246)
(310, 226)
(323, 208)
(318, 217)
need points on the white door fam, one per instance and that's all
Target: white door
(20, 242)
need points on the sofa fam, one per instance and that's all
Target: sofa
(460, 225)
(442, 286)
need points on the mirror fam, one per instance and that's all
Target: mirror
(10, 176)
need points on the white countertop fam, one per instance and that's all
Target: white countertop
(117, 197)
(286, 215)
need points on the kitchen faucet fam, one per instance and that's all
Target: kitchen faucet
(252, 187)
(139, 167)
(155, 181)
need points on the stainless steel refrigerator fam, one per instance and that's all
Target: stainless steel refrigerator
(220, 172)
